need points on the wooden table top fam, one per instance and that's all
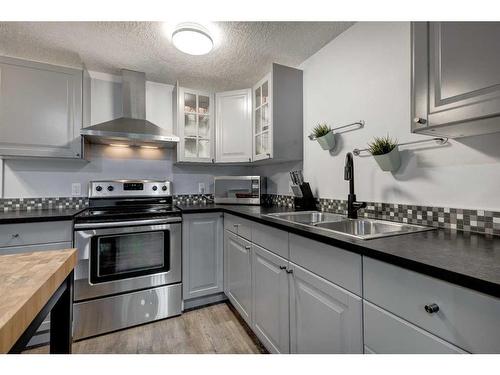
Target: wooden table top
(27, 281)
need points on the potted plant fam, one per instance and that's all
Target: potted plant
(324, 135)
(386, 153)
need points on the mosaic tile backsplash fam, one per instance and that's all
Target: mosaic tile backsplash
(480, 221)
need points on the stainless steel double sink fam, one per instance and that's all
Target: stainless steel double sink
(358, 228)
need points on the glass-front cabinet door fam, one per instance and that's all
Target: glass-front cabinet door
(262, 123)
(195, 126)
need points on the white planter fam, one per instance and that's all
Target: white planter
(389, 162)
(327, 142)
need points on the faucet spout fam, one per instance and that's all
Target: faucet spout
(352, 205)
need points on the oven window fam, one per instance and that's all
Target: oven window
(121, 256)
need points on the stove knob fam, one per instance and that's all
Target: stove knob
(98, 188)
(164, 188)
(155, 188)
(110, 188)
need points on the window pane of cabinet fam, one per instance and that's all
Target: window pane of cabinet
(190, 125)
(265, 92)
(204, 127)
(203, 104)
(189, 103)
(204, 148)
(265, 116)
(258, 119)
(257, 98)
(190, 147)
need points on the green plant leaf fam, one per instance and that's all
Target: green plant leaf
(321, 130)
(382, 145)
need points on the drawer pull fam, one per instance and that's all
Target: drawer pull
(282, 267)
(248, 247)
(289, 271)
(16, 235)
(236, 225)
(432, 308)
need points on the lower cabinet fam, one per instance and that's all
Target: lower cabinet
(237, 274)
(388, 334)
(202, 253)
(324, 318)
(270, 300)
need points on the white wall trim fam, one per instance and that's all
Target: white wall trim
(105, 76)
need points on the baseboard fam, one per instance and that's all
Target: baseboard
(194, 303)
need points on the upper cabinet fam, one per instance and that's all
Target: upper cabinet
(455, 78)
(278, 115)
(40, 109)
(193, 114)
(234, 126)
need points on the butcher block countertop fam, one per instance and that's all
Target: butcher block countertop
(27, 282)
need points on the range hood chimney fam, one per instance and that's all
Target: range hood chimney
(132, 128)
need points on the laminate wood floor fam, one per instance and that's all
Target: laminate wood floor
(211, 329)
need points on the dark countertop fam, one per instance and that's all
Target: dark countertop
(468, 259)
(12, 217)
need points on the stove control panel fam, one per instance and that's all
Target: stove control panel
(130, 188)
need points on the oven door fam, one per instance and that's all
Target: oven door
(124, 257)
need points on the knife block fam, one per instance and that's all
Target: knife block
(307, 202)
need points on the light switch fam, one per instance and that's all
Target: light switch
(76, 189)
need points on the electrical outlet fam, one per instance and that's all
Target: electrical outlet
(201, 187)
(76, 189)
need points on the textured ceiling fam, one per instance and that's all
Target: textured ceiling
(243, 51)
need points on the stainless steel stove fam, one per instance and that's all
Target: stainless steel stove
(129, 257)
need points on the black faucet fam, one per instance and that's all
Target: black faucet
(352, 205)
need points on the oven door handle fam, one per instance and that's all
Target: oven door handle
(127, 223)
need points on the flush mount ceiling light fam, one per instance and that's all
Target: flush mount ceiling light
(192, 38)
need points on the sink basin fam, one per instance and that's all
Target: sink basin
(364, 229)
(369, 228)
(307, 217)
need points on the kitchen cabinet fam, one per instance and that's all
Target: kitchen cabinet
(324, 318)
(233, 126)
(193, 118)
(455, 78)
(278, 115)
(36, 236)
(238, 274)
(385, 333)
(40, 109)
(202, 254)
(270, 300)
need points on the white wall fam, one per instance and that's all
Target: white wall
(53, 178)
(364, 74)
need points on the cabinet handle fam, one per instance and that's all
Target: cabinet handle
(236, 225)
(249, 159)
(213, 161)
(420, 120)
(282, 267)
(248, 247)
(268, 155)
(16, 235)
(289, 271)
(432, 308)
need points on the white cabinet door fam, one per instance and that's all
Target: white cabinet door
(263, 119)
(324, 318)
(238, 274)
(234, 126)
(270, 300)
(202, 254)
(455, 78)
(40, 109)
(194, 118)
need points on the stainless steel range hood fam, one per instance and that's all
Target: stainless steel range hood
(132, 128)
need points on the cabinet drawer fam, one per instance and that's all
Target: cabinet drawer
(387, 334)
(32, 248)
(270, 238)
(35, 233)
(239, 226)
(466, 318)
(336, 265)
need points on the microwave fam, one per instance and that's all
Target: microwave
(239, 189)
